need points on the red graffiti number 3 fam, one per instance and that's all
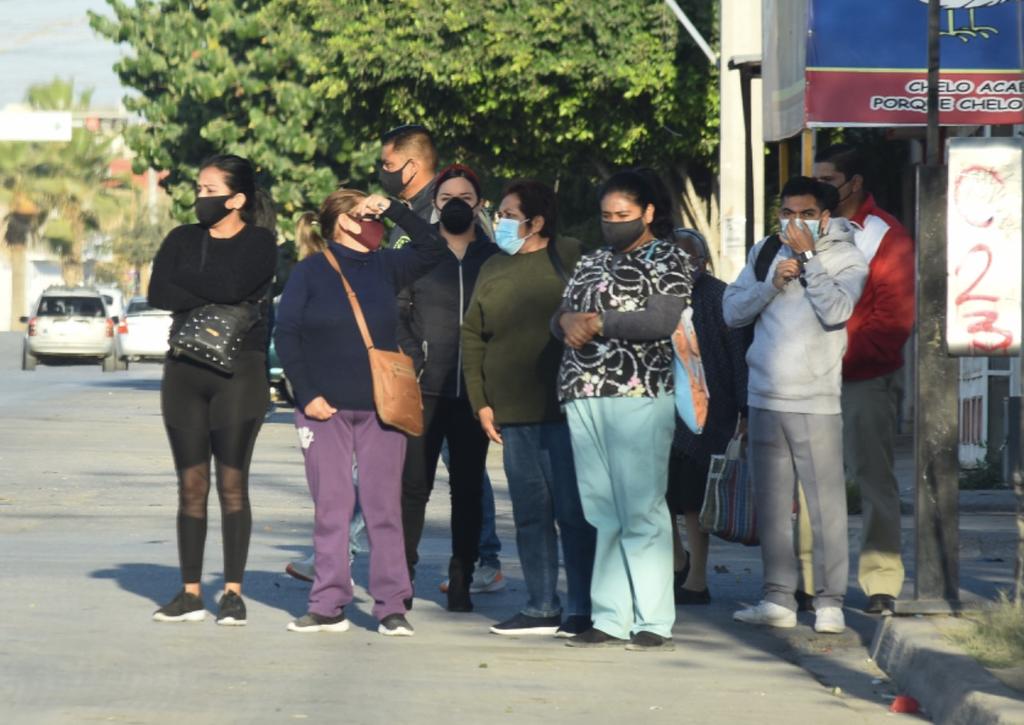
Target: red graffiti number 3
(984, 334)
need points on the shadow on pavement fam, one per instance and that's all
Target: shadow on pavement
(159, 583)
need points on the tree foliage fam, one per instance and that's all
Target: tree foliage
(62, 183)
(551, 88)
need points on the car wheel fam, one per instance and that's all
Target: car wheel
(28, 360)
(110, 363)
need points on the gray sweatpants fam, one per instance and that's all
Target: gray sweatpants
(785, 448)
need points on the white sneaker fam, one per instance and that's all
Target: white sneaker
(769, 613)
(829, 620)
(487, 579)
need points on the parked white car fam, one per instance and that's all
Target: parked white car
(143, 331)
(70, 322)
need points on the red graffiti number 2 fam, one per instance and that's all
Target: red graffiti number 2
(984, 334)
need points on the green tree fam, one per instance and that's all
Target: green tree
(561, 90)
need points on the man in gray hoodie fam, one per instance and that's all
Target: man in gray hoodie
(799, 295)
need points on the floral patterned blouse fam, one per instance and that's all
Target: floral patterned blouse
(617, 368)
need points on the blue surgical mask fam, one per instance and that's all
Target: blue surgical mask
(812, 224)
(506, 235)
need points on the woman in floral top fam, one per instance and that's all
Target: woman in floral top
(617, 316)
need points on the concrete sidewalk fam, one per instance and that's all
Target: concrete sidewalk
(87, 506)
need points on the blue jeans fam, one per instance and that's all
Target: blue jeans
(542, 485)
(490, 545)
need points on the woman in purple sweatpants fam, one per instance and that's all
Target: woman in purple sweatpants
(325, 359)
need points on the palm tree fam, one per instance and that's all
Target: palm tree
(63, 181)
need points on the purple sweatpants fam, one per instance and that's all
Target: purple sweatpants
(328, 447)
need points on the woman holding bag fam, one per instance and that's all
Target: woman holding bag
(224, 259)
(723, 352)
(325, 357)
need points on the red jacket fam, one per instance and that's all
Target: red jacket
(884, 315)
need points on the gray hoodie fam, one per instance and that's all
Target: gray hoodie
(796, 358)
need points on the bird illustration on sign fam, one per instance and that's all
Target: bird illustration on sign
(973, 29)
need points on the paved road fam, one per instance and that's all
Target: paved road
(87, 505)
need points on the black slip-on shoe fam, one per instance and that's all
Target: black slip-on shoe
(595, 638)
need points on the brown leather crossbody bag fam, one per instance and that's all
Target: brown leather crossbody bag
(396, 391)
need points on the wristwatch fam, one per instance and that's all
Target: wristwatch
(807, 256)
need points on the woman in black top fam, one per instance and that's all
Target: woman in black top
(222, 259)
(431, 312)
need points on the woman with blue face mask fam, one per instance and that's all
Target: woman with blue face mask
(616, 382)
(510, 361)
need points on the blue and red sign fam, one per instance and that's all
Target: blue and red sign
(867, 63)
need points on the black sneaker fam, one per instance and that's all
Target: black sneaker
(594, 638)
(313, 622)
(649, 642)
(184, 607)
(573, 625)
(686, 597)
(884, 604)
(804, 601)
(232, 610)
(524, 624)
(395, 625)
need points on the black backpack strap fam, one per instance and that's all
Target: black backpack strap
(556, 262)
(766, 256)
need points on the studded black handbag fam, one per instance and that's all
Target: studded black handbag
(213, 334)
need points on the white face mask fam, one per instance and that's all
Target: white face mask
(812, 224)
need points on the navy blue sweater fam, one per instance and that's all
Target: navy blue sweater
(316, 336)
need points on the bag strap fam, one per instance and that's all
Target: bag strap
(357, 309)
(556, 262)
(766, 256)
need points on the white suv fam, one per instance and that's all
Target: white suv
(71, 322)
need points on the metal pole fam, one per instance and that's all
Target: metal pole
(694, 33)
(936, 507)
(748, 154)
(932, 139)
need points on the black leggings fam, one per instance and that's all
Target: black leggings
(206, 414)
(451, 419)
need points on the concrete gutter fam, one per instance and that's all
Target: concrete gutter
(951, 687)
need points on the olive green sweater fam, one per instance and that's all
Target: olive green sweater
(509, 358)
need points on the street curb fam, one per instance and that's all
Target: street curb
(950, 686)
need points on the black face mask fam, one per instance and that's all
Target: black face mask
(620, 235)
(391, 181)
(457, 216)
(211, 209)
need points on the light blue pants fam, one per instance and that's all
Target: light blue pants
(621, 447)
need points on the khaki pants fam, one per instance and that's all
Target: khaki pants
(870, 410)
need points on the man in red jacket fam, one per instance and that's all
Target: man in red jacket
(880, 325)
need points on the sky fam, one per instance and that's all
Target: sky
(47, 38)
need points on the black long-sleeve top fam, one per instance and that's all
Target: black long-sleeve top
(317, 338)
(723, 352)
(193, 269)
